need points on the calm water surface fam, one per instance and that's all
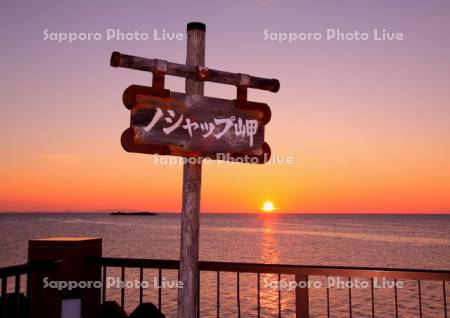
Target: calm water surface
(405, 241)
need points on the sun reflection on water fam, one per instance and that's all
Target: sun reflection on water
(270, 254)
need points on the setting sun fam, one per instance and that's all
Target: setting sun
(268, 206)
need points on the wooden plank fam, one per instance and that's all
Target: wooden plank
(127, 140)
(192, 182)
(203, 124)
(194, 72)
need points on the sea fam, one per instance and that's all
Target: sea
(387, 241)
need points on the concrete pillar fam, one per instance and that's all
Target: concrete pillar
(73, 252)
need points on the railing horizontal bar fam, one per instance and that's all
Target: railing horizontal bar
(136, 262)
(394, 273)
(326, 271)
(27, 267)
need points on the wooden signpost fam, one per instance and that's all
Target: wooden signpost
(181, 120)
(192, 125)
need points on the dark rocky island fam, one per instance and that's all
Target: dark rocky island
(134, 213)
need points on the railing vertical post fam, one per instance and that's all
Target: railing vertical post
(17, 291)
(74, 266)
(301, 297)
(192, 179)
(4, 290)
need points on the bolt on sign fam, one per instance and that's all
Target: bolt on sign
(171, 123)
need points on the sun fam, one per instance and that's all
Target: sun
(268, 206)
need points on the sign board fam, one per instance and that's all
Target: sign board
(192, 125)
(196, 124)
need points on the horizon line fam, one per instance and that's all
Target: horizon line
(256, 213)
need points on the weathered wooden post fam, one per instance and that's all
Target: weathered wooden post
(194, 126)
(301, 297)
(192, 181)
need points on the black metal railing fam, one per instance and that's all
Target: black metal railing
(18, 278)
(301, 274)
(13, 277)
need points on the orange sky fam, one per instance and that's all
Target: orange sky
(367, 124)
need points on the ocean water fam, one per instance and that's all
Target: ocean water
(396, 241)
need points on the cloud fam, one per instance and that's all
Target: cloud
(61, 157)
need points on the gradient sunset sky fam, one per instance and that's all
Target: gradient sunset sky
(367, 122)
